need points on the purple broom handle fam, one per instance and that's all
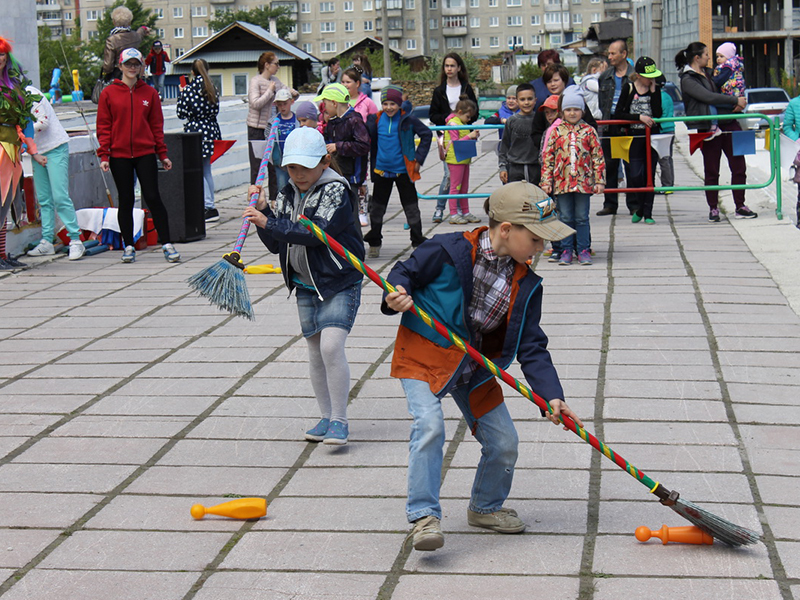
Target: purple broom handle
(262, 173)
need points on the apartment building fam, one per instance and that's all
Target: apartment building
(325, 28)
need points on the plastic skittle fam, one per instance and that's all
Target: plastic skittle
(685, 535)
(241, 508)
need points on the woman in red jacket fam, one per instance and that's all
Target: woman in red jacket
(130, 132)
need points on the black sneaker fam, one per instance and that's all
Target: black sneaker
(212, 215)
(713, 215)
(745, 213)
(15, 263)
(5, 266)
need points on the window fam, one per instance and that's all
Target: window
(349, 6)
(576, 1)
(395, 23)
(349, 45)
(327, 27)
(565, 19)
(411, 44)
(349, 26)
(411, 5)
(454, 43)
(67, 30)
(474, 3)
(595, 17)
(513, 2)
(240, 84)
(536, 40)
(177, 12)
(161, 32)
(394, 4)
(535, 2)
(305, 28)
(433, 23)
(328, 47)
(199, 11)
(475, 42)
(367, 25)
(433, 5)
(308, 48)
(367, 5)
(514, 41)
(552, 18)
(394, 44)
(494, 21)
(494, 42)
(93, 35)
(434, 44)
(577, 19)
(68, 16)
(378, 24)
(178, 33)
(454, 3)
(555, 39)
(474, 22)
(411, 24)
(92, 15)
(514, 21)
(595, 1)
(199, 31)
(179, 52)
(454, 21)
(305, 7)
(326, 7)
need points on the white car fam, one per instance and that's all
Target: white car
(767, 101)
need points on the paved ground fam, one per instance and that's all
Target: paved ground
(125, 399)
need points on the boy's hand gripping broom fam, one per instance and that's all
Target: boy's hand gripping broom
(720, 528)
(223, 282)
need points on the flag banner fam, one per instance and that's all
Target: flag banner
(660, 143)
(220, 148)
(621, 147)
(465, 149)
(696, 140)
(744, 142)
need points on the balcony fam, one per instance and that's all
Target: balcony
(49, 7)
(394, 12)
(454, 31)
(554, 27)
(454, 11)
(555, 7)
(395, 34)
(218, 2)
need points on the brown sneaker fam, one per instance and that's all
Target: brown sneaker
(427, 534)
(504, 520)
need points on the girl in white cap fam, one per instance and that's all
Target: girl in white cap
(327, 288)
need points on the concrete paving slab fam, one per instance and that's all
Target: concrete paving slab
(44, 510)
(632, 409)
(701, 488)
(22, 545)
(451, 587)
(678, 458)
(778, 489)
(91, 479)
(122, 405)
(298, 586)
(528, 483)
(364, 482)
(695, 588)
(24, 425)
(531, 455)
(236, 453)
(123, 427)
(91, 451)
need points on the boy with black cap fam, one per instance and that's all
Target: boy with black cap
(157, 60)
(479, 285)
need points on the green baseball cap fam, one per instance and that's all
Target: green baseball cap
(336, 92)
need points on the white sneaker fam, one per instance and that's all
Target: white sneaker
(44, 248)
(76, 249)
(129, 254)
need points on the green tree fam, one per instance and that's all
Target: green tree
(141, 16)
(66, 52)
(256, 16)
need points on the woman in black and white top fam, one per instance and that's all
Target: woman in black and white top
(454, 82)
(198, 103)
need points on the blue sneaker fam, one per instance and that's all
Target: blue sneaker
(318, 433)
(129, 254)
(170, 253)
(337, 434)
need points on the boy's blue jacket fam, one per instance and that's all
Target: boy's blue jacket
(329, 204)
(409, 125)
(439, 277)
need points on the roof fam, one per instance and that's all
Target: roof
(606, 31)
(283, 49)
(368, 43)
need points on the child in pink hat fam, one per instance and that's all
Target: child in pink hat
(728, 75)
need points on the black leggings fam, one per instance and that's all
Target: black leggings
(381, 191)
(146, 169)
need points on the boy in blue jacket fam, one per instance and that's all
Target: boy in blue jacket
(395, 161)
(479, 285)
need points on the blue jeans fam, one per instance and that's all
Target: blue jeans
(444, 188)
(573, 210)
(158, 83)
(282, 177)
(499, 446)
(208, 184)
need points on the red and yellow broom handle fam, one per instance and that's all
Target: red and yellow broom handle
(482, 360)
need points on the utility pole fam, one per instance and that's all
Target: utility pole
(387, 59)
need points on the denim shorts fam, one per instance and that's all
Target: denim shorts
(337, 311)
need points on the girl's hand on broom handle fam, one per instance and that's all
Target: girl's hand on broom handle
(560, 408)
(399, 301)
(256, 217)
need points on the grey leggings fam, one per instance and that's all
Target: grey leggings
(330, 372)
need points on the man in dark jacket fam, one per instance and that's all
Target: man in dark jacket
(611, 83)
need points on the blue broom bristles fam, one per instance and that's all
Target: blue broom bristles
(224, 286)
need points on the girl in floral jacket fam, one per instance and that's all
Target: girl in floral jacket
(573, 168)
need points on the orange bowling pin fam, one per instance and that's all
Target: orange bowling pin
(241, 508)
(685, 535)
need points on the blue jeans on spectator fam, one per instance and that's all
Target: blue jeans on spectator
(499, 443)
(208, 184)
(444, 189)
(573, 210)
(158, 83)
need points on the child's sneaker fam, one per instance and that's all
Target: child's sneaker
(44, 248)
(438, 215)
(555, 255)
(714, 133)
(470, 218)
(713, 215)
(76, 249)
(129, 254)
(458, 220)
(566, 258)
(427, 534)
(503, 520)
(585, 257)
(317, 434)
(745, 213)
(374, 252)
(650, 221)
(337, 434)
(170, 253)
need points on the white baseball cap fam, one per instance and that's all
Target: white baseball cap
(304, 146)
(283, 94)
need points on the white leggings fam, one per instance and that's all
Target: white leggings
(330, 372)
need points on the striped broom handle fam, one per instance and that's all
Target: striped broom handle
(481, 359)
(262, 173)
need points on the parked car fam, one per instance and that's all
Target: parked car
(488, 106)
(677, 98)
(767, 101)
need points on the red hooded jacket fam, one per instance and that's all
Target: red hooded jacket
(130, 122)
